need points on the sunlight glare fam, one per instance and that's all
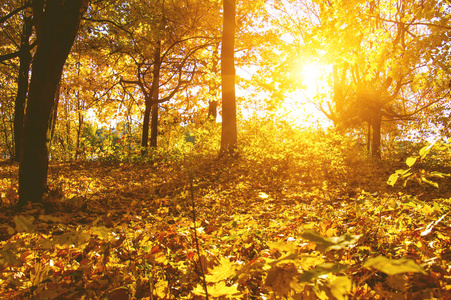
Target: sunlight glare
(299, 107)
(311, 74)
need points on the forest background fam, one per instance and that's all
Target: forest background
(252, 149)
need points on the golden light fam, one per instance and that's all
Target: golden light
(312, 75)
(299, 107)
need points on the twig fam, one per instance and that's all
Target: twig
(195, 235)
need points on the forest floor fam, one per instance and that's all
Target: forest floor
(125, 231)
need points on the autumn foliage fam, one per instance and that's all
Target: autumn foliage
(206, 149)
(273, 223)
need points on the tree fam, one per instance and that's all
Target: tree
(387, 61)
(22, 82)
(380, 52)
(24, 55)
(56, 24)
(229, 128)
(164, 55)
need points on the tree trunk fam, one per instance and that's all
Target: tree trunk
(22, 85)
(154, 126)
(376, 142)
(79, 131)
(155, 96)
(229, 129)
(212, 110)
(146, 121)
(56, 24)
(54, 114)
(214, 86)
(151, 100)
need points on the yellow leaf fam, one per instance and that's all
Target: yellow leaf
(340, 287)
(222, 271)
(282, 246)
(410, 161)
(161, 288)
(220, 289)
(392, 179)
(263, 195)
(392, 267)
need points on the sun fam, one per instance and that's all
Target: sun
(300, 106)
(312, 75)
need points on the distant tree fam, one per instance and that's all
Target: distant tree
(382, 55)
(229, 128)
(56, 23)
(163, 55)
(383, 62)
(24, 68)
(22, 82)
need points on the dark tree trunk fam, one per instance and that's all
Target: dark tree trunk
(54, 114)
(214, 86)
(229, 129)
(22, 85)
(376, 142)
(56, 24)
(154, 126)
(79, 131)
(155, 96)
(146, 121)
(212, 110)
(151, 100)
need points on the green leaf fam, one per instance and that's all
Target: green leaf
(392, 267)
(325, 243)
(410, 161)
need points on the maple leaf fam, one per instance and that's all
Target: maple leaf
(220, 289)
(280, 278)
(392, 267)
(24, 224)
(340, 286)
(9, 259)
(325, 243)
(224, 270)
(321, 270)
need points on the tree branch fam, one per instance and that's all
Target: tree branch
(12, 55)
(14, 12)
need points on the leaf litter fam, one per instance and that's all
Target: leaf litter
(125, 231)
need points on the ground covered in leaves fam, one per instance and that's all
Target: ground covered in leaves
(126, 231)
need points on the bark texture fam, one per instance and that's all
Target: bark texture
(56, 23)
